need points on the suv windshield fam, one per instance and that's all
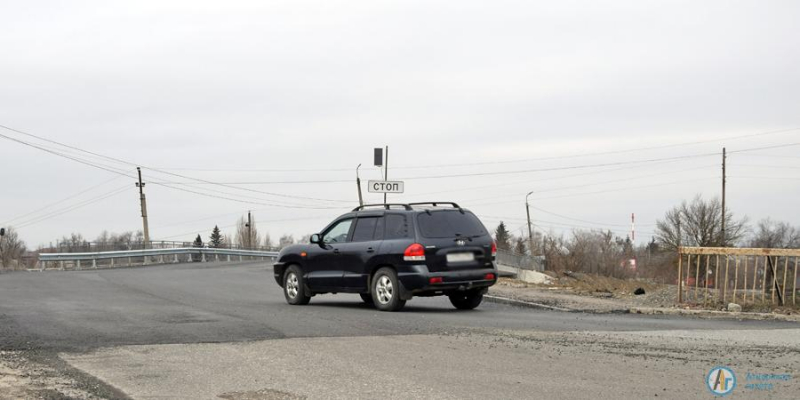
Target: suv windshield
(446, 224)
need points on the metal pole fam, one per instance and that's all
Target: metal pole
(530, 227)
(724, 156)
(386, 171)
(358, 183)
(249, 231)
(143, 202)
(680, 275)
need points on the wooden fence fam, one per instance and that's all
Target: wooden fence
(737, 275)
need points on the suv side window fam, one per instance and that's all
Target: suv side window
(338, 233)
(396, 226)
(365, 229)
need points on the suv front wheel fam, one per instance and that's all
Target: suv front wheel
(386, 290)
(294, 288)
(467, 300)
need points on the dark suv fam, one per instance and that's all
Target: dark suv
(389, 253)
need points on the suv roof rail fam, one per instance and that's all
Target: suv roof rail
(435, 203)
(388, 206)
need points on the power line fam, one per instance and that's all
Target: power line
(782, 178)
(598, 183)
(8, 222)
(232, 225)
(133, 165)
(523, 171)
(771, 156)
(263, 169)
(118, 171)
(605, 152)
(576, 219)
(553, 224)
(494, 173)
(526, 181)
(599, 191)
(595, 165)
(767, 166)
(73, 207)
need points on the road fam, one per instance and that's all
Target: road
(223, 330)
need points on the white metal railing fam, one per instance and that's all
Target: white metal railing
(534, 263)
(150, 256)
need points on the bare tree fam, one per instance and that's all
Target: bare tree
(699, 224)
(247, 237)
(72, 243)
(11, 249)
(267, 240)
(285, 240)
(775, 235)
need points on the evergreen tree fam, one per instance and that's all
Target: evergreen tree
(502, 237)
(198, 242)
(520, 247)
(216, 239)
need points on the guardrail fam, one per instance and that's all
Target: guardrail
(722, 274)
(193, 254)
(533, 263)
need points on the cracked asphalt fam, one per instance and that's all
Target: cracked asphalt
(223, 330)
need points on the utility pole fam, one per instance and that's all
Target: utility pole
(143, 202)
(530, 227)
(724, 156)
(386, 172)
(249, 231)
(633, 228)
(2, 234)
(358, 183)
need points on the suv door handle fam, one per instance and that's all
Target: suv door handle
(370, 250)
(335, 251)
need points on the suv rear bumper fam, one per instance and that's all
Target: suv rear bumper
(417, 280)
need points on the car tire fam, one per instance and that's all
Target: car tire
(294, 288)
(466, 301)
(367, 298)
(386, 290)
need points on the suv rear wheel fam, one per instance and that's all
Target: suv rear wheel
(466, 300)
(294, 288)
(386, 290)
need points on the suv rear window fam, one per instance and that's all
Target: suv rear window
(448, 224)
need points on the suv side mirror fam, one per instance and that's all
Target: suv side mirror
(316, 239)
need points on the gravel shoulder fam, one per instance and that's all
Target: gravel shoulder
(601, 300)
(32, 375)
(606, 298)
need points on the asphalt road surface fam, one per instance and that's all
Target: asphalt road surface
(223, 330)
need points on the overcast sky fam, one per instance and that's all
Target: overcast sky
(297, 91)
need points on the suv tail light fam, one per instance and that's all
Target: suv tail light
(415, 252)
(494, 249)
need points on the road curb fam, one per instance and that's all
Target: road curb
(527, 304)
(649, 311)
(714, 314)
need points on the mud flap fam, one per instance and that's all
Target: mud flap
(404, 294)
